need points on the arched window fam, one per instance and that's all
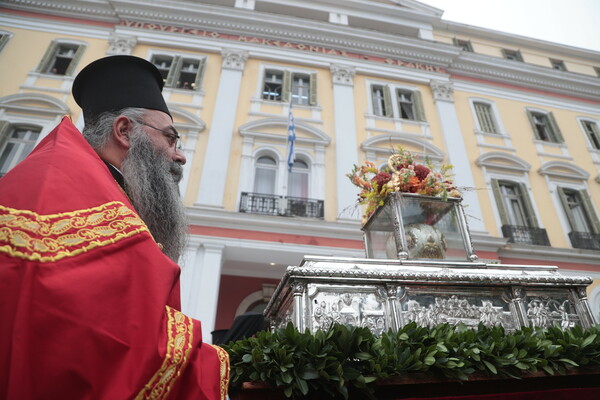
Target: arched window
(16, 142)
(265, 175)
(298, 180)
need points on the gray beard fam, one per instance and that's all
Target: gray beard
(151, 183)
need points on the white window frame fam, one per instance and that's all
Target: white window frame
(392, 111)
(49, 57)
(574, 180)
(7, 129)
(5, 37)
(287, 85)
(175, 69)
(591, 146)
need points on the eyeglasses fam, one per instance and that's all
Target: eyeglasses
(174, 138)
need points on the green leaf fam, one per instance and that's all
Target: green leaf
(567, 361)
(491, 367)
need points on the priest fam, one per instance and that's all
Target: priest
(91, 228)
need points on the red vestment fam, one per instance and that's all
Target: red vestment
(88, 302)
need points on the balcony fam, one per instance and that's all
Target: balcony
(285, 206)
(525, 234)
(585, 240)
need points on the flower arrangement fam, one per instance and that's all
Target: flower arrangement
(402, 175)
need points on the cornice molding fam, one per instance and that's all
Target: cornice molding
(98, 11)
(526, 75)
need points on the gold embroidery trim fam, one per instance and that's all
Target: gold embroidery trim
(47, 238)
(180, 334)
(224, 370)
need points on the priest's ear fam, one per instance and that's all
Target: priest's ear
(122, 129)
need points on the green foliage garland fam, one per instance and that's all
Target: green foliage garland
(345, 357)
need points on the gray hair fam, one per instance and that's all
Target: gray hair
(97, 132)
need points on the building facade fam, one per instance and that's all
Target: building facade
(519, 119)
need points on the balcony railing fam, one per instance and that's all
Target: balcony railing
(270, 204)
(525, 234)
(585, 240)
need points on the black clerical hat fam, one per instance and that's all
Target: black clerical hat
(117, 82)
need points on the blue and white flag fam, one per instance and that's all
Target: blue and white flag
(291, 139)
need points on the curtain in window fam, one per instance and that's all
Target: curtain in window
(298, 180)
(265, 175)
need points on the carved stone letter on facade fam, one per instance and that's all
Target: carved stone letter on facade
(120, 44)
(343, 74)
(234, 59)
(442, 90)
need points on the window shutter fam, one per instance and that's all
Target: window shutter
(75, 60)
(47, 58)
(418, 103)
(4, 131)
(200, 74)
(533, 127)
(174, 72)
(558, 135)
(589, 210)
(312, 100)
(499, 201)
(563, 199)
(387, 99)
(3, 40)
(531, 218)
(286, 94)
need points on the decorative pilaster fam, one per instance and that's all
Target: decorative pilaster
(442, 90)
(234, 59)
(458, 154)
(120, 44)
(218, 148)
(343, 74)
(518, 306)
(346, 146)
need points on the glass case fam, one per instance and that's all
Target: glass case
(410, 226)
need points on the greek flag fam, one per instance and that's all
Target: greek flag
(291, 139)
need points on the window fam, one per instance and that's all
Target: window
(597, 70)
(545, 127)
(264, 179)
(281, 85)
(381, 101)
(409, 103)
(61, 58)
(592, 132)
(4, 38)
(298, 180)
(179, 72)
(514, 55)
(485, 117)
(465, 45)
(585, 228)
(517, 216)
(558, 65)
(16, 142)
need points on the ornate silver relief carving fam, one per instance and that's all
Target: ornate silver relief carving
(454, 310)
(343, 74)
(544, 311)
(120, 45)
(442, 90)
(234, 59)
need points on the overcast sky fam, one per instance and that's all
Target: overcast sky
(572, 22)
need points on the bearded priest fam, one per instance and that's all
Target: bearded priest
(91, 228)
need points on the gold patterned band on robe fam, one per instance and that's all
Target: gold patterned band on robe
(48, 238)
(180, 335)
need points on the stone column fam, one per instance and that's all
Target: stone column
(346, 146)
(200, 280)
(212, 183)
(457, 152)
